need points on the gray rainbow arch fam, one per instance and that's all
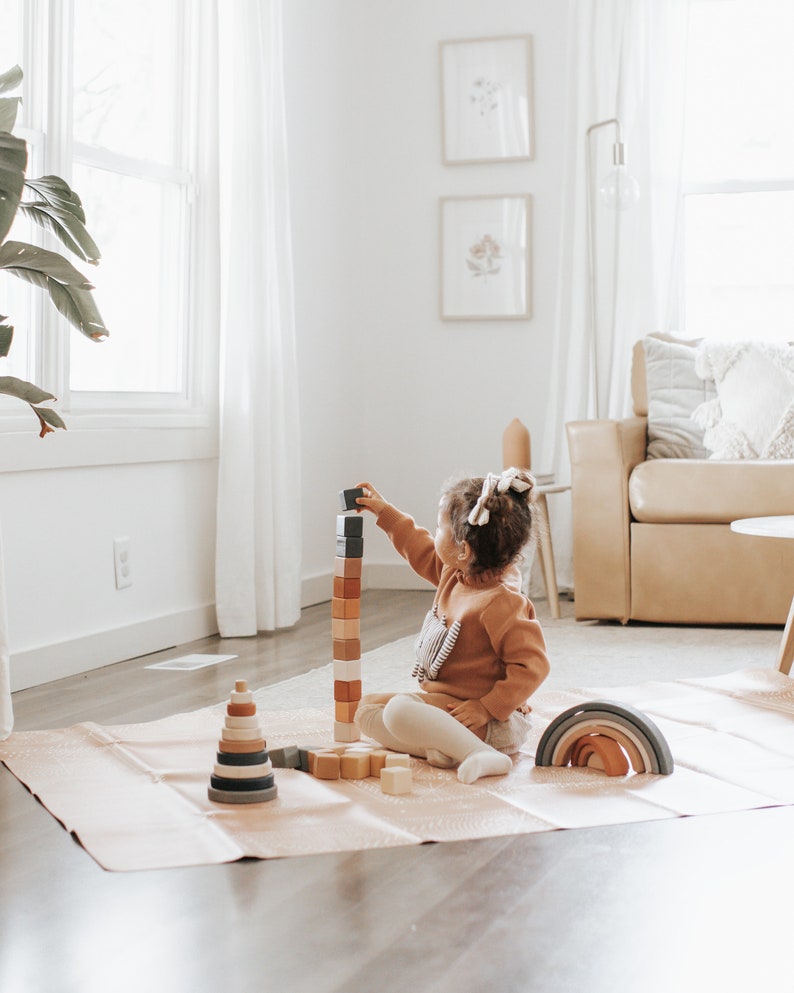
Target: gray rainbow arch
(642, 740)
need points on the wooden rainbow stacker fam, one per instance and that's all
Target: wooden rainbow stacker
(346, 617)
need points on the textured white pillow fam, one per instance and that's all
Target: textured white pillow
(752, 416)
(674, 391)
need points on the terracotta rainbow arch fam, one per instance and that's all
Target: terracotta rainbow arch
(605, 735)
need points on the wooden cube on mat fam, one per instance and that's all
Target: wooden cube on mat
(377, 761)
(349, 568)
(347, 649)
(394, 759)
(349, 589)
(346, 690)
(354, 765)
(345, 607)
(287, 757)
(326, 765)
(349, 526)
(345, 732)
(395, 780)
(345, 711)
(345, 628)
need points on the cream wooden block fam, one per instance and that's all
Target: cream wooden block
(347, 671)
(394, 759)
(240, 734)
(345, 732)
(395, 780)
(241, 696)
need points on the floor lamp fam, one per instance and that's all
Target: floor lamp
(619, 191)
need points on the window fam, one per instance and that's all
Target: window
(109, 105)
(739, 170)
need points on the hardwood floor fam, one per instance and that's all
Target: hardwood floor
(691, 904)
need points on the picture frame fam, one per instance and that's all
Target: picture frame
(486, 100)
(485, 246)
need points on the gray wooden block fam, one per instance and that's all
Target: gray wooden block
(347, 498)
(285, 758)
(240, 796)
(350, 548)
(349, 527)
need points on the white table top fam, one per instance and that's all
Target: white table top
(769, 527)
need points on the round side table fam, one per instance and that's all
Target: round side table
(774, 527)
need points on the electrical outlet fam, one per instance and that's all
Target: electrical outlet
(121, 560)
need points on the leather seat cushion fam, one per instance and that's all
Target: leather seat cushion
(700, 491)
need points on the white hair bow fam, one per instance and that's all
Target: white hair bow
(507, 481)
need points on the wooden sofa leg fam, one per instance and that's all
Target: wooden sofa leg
(786, 653)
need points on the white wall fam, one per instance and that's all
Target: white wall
(389, 392)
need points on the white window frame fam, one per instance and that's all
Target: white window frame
(106, 428)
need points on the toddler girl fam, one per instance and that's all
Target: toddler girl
(480, 653)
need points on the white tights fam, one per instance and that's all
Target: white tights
(406, 724)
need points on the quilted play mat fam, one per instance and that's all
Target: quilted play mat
(136, 796)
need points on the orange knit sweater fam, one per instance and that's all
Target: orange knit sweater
(499, 657)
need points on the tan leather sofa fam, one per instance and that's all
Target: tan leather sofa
(652, 538)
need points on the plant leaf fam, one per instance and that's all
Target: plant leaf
(57, 192)
(49, 419)
(6, 337)
(28, 392)
(69, 290)
(10, 79)
(8, 112)
(13, 161)
(65, 226)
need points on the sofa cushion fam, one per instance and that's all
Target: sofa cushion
(692, 491)
(674, 391)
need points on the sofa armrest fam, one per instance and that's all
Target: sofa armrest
(603, 454)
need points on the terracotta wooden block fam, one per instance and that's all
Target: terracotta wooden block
(345, 607)
(326, 765)
(242, 709)
(350, 568)
(345, 732)
(345, 628)
(347, 650)
(394, 759)
(349, 526)
(377, 761)
(347, 690)
(345, 711)
(354, 765)
(347, 671)
(395, 780)
(349, 589)
(241, 747)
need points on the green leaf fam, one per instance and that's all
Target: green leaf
(65, 226)
(69, 290)
(47, 415)
(11, 79)
(58, 193)
(8, 112)
(13, 161)
(28, 392)
(6, 337)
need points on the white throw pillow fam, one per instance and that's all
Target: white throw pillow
(752, 416)
(674, 391)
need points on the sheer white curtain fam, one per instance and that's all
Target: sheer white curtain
(6, 709)
(626, 59)
(258, 521)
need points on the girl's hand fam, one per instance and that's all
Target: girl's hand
(372, 500)
(471, 713)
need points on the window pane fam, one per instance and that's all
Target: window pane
(126, 66)
(740, 81)
(138, 228)
(740, 265)
(10, 34)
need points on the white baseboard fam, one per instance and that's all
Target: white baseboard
(49, 662)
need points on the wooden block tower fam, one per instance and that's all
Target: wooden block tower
(346, 617)
(243, 772)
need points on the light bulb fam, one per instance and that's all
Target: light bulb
(619, 190)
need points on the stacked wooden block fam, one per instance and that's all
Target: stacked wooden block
(346, 617)
(243, 772)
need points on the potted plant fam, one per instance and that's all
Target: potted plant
(56, 208)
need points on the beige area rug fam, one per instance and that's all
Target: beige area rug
(135, 796)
